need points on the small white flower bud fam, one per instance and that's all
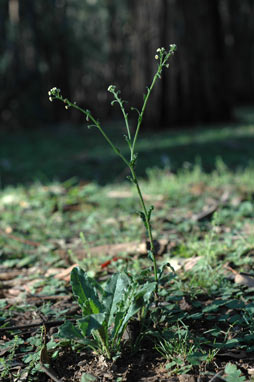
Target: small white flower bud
(156, 57)
(51, 99)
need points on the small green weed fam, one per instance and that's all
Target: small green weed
(233, 374)
(7, 363)
(163, 57)
(97, 319)
(105, 317)
(183, 351)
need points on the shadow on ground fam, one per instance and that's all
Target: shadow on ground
(64, 152)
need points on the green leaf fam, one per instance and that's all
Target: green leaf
(249, 338)
(232, 343)
(233, 374)
(196, 358)
(85, 293)
(135, 300)
(235, 304)
(133, 309)
(150, 255)
(68, 330)
(165, 277)
(114, 293)
(90, 323)
(87, 378)
(142, 216)
(214, 306)
(195, 316)
(126, 309)
(250, 307)
(145, 292)
(92, 305)
(150, 212)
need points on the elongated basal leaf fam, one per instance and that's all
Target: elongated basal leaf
(68, 330)
(85, 292)
(71, 332)
(134, 302)
(90, 323)
(114, 293)
(145, 291)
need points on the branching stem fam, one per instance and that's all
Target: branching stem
(55, 93)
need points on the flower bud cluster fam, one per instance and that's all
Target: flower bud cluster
(53, 93)
(66, 104)
(111, 88)
(172, 47)
(161, 52)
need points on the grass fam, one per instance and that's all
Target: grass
(61, 153)
(203, 215)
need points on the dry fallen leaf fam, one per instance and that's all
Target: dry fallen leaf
(4, 276)
(207, 212)
(251, 371)
(8, 229)
(191, 262)
(120, 194)
(241, 278)
(186, 378)
(186, 264)
(184, 305)
(112, 250)
(65, 274)
(198, 188)
(176, 263)
(244, 280)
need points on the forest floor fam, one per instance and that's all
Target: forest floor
(201, 184)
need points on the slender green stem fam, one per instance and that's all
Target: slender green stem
(163, 57)
(140, 117)
(97, 124)
(125, 115)
(148, 224)
(135, 181)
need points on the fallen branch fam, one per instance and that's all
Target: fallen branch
(50, 373)
(35, 325)
(19, 239)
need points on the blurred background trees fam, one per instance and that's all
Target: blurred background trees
(83, 46)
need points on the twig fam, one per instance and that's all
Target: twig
(54, 297)
(50, 373)
(207, 213)
(35, 325)
(215, 376)
(24, 241)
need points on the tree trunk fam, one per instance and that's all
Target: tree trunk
(145, 39)
(241, 30)
(194, 88)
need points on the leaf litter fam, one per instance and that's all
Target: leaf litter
(208, 242)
